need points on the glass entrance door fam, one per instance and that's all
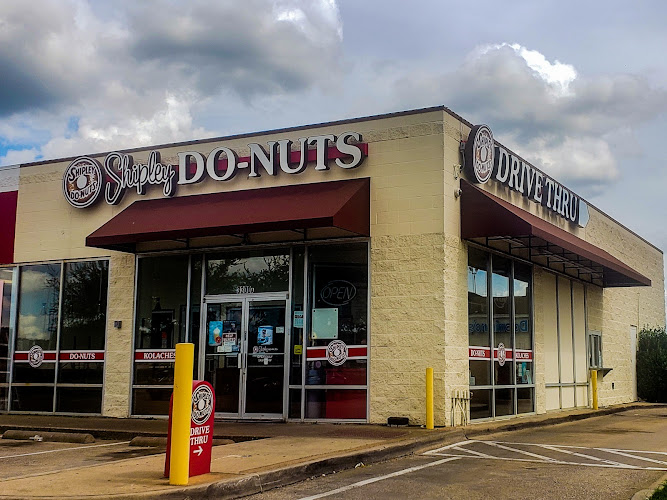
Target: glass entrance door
(245, 354)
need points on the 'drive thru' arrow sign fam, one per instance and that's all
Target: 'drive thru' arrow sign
(202, 417)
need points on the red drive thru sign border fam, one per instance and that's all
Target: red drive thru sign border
(201, 429)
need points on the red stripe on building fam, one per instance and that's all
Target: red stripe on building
(157, 355)
(23, 356)
(483, 353)
(352, 352)
(81, 355)
(8, 201)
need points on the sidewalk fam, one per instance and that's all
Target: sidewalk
(288, 452)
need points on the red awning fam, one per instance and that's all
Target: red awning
(342, 208)
(487, 219)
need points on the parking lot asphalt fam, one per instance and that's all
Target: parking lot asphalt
(608, 457)
(288, 453)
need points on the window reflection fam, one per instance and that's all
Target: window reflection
(500, 335)
(252, 272)
(38, 307)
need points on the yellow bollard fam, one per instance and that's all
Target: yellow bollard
(429, 398)
(179, 468)
(594, 388)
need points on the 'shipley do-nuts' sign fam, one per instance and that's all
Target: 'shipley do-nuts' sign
(84, 180)
(201, 429)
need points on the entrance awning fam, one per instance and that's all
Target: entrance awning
(285, 213)
(493, 222)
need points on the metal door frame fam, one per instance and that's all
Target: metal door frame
(246, 300)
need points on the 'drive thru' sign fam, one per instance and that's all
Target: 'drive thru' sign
(201, 429)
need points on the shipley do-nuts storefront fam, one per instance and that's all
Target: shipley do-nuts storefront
(318, 270)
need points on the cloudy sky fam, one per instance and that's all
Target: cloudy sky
(578, 88)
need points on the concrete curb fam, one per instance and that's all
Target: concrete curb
(515, 425)
(646, 494)
(59, 437)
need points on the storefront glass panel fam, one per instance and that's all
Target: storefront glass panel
(248, 272)
(337, 351)
(161, 320)
(60, 337)
(79, 399)
(38, 307)
(499, 294)
(335, 404)
(296, 349)
(480, 403)
(502, 321)
(504, 401)
(7, 305)
(525, 400)
(523, 329)
(478, 317)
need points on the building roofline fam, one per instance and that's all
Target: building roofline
(382, 116)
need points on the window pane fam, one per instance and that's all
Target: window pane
(32, 398)
(43, 374)
(84, 309)
(296, 349)
(249, 272)
(523, 323)
(480, 403)
(294, 403)
(338, 278)
(162, 289)
(151, 401)
(504, 402)
(352, 372)
(502, 330)
(525, 400)
(195, 301)
(336, 403)
(6, 330)
(38, 307)
(153, 373)
(79, 399)
(4, 397)
(81, 373)
(478, 317)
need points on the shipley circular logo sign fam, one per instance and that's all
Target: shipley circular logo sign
(202, 404)
(82, 182)
(337, 352)
(479, 153)
(35, 356)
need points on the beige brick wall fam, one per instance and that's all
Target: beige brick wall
(117, 374)
(407, 326)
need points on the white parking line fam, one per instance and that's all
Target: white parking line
(523, 452)
(617, 452)
(560, 449)
(63, 449)
(379, 478)
(465, 452)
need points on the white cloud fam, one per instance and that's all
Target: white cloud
(135, 74)
(553, 116)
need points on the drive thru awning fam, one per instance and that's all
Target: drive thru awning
(493, 222)
(285, 213)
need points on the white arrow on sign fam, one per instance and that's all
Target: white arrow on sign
(198, 451)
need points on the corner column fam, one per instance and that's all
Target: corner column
(118, 354)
